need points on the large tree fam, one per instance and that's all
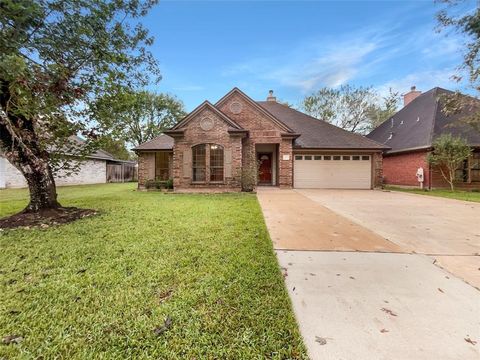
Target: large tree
(352, 108)
(388, 107)
(137, 116)
(463, 17)
(56, 58)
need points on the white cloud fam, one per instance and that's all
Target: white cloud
(423, 80)
(359, 57)
(319, 62)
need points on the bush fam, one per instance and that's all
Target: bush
(159, 184)
(154, 184)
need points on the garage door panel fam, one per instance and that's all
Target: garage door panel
(332, 174)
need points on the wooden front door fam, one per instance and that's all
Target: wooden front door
(265, 170)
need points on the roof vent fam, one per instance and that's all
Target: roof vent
(270, 96)
(401, 122)
(418, 118)
(391, 136)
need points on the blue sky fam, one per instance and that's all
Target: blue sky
(205, 48)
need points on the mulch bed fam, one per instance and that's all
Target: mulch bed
(45, 218)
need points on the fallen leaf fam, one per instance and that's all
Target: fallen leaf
(384, 331)
(12, 339)
(351, 277)
(388, 311)
(161, 329)
(165, 295)
(467, 339)
(81, 271)
(440, 290)
(320, 340)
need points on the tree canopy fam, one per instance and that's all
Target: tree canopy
(56, 58)
(137, 116)
(357, 109)
(464, 18)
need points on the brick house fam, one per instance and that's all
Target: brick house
(217, 145)
(410, 133)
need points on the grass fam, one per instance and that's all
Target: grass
(457, 194)
(98, 287)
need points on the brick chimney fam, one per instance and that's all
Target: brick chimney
(270, 96)
(411, 95)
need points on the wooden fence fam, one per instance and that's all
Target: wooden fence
(121, 172)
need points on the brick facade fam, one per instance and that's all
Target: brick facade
(377, 169)
(401, 169)
(262, 130)
(218, 135)
(244, 129)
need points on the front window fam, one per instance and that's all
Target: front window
(199, 162)
(161, 166)
(461, 174)
(216, 162)
(475, 167)
(207, 163)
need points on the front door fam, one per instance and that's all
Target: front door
(265, 169)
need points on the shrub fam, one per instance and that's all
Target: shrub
(169, 184)
(154, 184)
(448, 154)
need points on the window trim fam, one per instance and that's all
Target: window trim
(207, 165)
(204, 167)
(210, 167)
(167, 159)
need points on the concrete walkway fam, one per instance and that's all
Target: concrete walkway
(358, 299)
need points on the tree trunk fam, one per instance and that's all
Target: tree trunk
(21, 146)
(41, 184)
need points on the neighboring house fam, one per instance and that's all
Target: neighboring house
(99, 167)
(214, 145)
(410, 133)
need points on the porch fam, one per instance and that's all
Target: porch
(268, 165)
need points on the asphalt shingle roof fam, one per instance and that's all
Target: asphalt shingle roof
(420, 122)
(318, 134)
(161, 142)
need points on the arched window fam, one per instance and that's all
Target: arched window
(207, 163)
(199, 162)
(216, 163)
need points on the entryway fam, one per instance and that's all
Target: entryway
(267, 158)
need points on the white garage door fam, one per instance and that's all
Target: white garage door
(332, 171)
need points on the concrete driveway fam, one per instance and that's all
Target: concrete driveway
(446, 229)
(378, 298)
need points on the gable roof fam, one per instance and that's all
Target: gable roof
(318, 134)
(206, 104)
(256, 105)
(78, 143)
(161, 142)
(416, 125)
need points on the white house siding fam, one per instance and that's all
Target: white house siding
(91, 171)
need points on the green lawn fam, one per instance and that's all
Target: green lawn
(98, 287)
(457, 194)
